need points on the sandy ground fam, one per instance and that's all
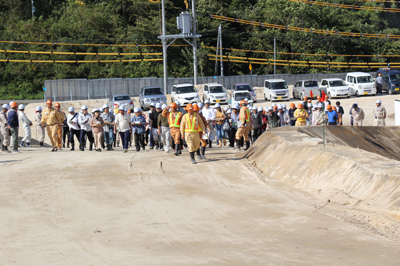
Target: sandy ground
(151, 208)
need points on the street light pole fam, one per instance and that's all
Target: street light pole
(194, 42)
(164, 43)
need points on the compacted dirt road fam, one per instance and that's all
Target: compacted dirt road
(152, 208)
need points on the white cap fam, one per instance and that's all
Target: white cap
(84, 107)
(260, 109)
(378, 101)
(136, 110)
(105, 106)
(217, 105)
(206, 101)
(178, 103)
(270, 108)
(254, 108)
(152, 104)
(21, 107)
(158, 106)
(38, 108)
(229, 111)
(71, 109)
(122, 108)
(164, 106)
(5, 106)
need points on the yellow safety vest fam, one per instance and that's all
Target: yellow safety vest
(192, 126)
(301, 119)
(177, 122)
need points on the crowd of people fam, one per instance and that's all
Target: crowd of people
(169, 128)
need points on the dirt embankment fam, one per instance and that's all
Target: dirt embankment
(342, 174)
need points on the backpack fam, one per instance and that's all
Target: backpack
(226, 127)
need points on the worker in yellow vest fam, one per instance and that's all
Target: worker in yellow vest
(243, 130)
(174, 121)
(301, 115)
(191, 125)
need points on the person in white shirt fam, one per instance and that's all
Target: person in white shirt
(123, 123)
(40, 128)
(209, 115)
(73, 124)
(26, 123)
(86, 130)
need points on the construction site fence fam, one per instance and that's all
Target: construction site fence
(84, 89)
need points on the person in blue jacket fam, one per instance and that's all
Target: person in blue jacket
(13, 125)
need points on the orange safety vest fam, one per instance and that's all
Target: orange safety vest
(301, 119)
(177, 122)
(192, 126)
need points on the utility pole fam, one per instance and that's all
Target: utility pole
(220, 44)
(194, 42)
(216, 53)
(164, 44)
(33, 9)
(274, 56)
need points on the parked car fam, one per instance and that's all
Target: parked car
(184, 93)
(238, 96)
(360, 83)
(151, 94)
(391, 80)
(245, 87)
(215, 93)
(303, 88)
(123, 99)
(276, 90)
(335, 87)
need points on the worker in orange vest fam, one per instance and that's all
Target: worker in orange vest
(191, 125)
(243, 130)
(174, 121)
(301, 115)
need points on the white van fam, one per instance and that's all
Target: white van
(360, 83)
(185, 94)
(276, 90)
(215, 93)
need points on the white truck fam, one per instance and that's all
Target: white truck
(360, 83)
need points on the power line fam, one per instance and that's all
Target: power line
(353, 7)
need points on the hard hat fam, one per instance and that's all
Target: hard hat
(229, 111)
(274, 107)
(246, 100)
(292, 105)
(164, 106)
(200, 105)
(105, 106)
(378, 101)
(195, 107)
(14, 104)
(57, 105)
(136, 110)
(129, 111)
(178, 103)
(318, 97)
(319, 105)
(5, 106)
(206, 101)
(274, 104)
(21, 107)
(96, 110)
(242, 102)
(49, 102)
(260, 109)
(280, 107)
(71, 109)
(270, 108)
(152, 104)
(326, 96)
(217, 105)
(84, 107)
(174, 105)
(300, 106)
(101, 109)
(284, 106)
(38, 108)
(226, 108)
(355, 105)
(248, 106)
(305, 98)
(329, 107)
(255, 108)
(158, 106)
(309, 105)
(189, 107)
(236, 106)
(122, 108)
(10, 103)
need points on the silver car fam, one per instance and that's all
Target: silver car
(306, 88)
(118, 100)
(151, 94)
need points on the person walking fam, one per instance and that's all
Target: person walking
(358, 115)
(13, 125)
(191, 125)
(174, 120)
(50, 120)
(234, 125)
(97, 124)
(257, 123)
(40, 129)
(340, 112)
(26, 123)
(61, 118)
(154, 126)
(301, 115)
(379, 84)
(379, 114)
(219, 120)
(108, 127)
(332, 116)
(138, 123)
(244, 126)
(4, 130)
(86, 130)
(202, 135)
(209, 115)
(123, 123)
(65, 132)
(73, 124)
(163, 130)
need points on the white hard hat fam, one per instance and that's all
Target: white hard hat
(158, 106)
(274, 104)
(11, 103)
(164, 106)
(5, 106)
(152, 104)
(38, 108)
(254, 108)
(105, 106)
(96, 110)
(309, 105)
(284, 106)
(71, 109)
(260, 109)
(319, 105)
(270, 108)
(236, 106)
(21, 107)
(122, 108)
(378, 101)
(136, 110)
(280, 107)
(206, 101)
(200, 105)
(248, 106)
(217, 105)
(178, 103)
(226, 108)
(84, 107)
(229, 111)
(246, 100)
